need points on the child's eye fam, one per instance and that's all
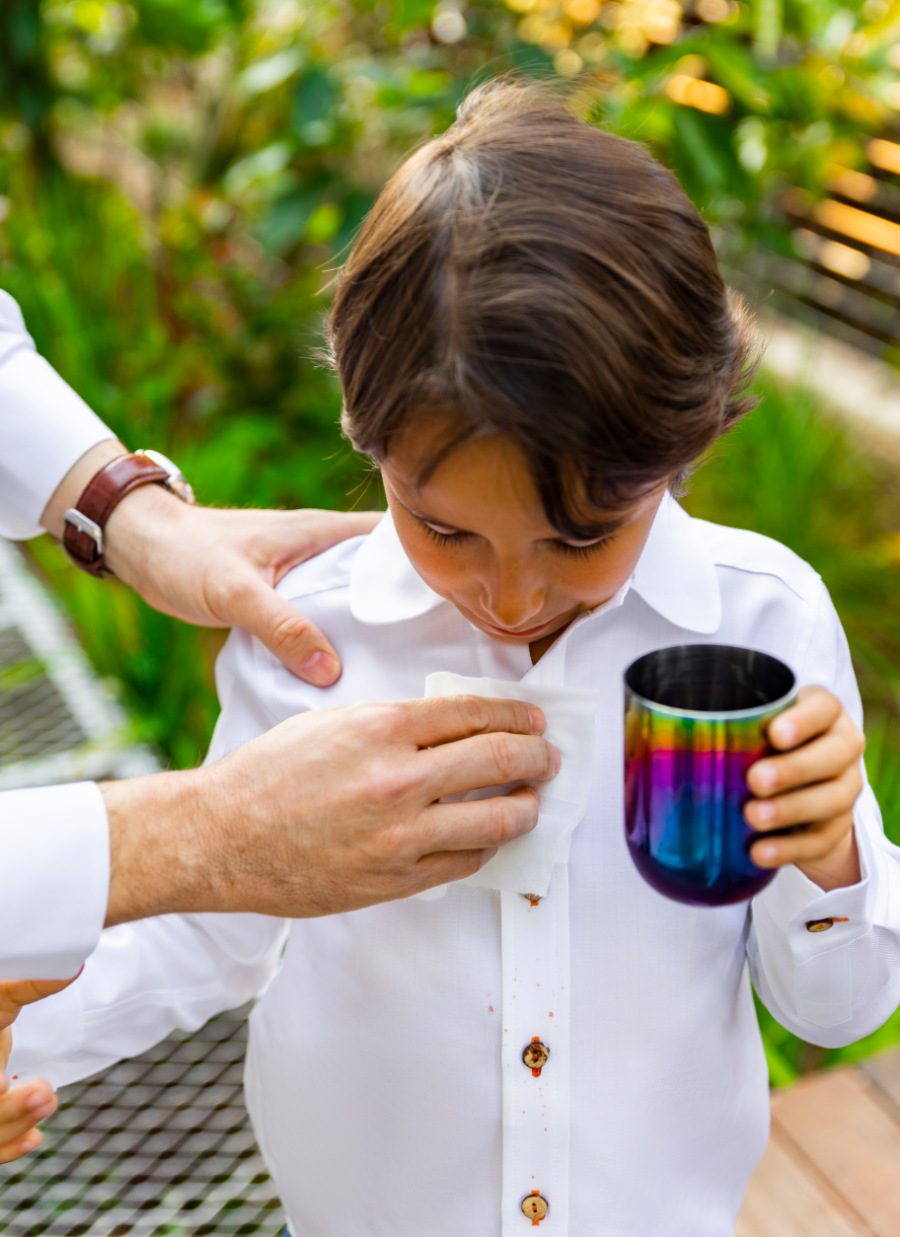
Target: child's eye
(443, 536)
(581, 551)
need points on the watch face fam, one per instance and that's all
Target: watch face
(181, 487)
(177, 482)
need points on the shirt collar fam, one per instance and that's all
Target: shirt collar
(675, 575)
(384, 585)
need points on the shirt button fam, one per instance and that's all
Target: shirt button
(819, 925)
(536, 1056)
(535, 1207)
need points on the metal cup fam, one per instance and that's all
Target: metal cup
(696, 717)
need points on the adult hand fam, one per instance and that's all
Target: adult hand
(330, 811)
(22, 1107)
(216, 568)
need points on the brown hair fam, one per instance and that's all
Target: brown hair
(532, 275)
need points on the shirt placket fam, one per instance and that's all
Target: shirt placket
(535, 1065)
(536, 1039)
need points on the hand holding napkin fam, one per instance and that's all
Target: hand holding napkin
(526, 864)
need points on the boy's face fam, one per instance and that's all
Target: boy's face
(476, 532)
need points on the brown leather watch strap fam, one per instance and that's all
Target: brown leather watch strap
(85, 522)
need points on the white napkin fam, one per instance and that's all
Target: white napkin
(526, 864)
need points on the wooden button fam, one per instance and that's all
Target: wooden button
(819, 925)
(535, 1207)
(536, 1056)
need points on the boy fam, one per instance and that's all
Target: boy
(535, 346)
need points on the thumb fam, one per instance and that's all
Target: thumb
(286, 633)
(14, 994)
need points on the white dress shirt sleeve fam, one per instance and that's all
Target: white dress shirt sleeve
(44, 427)
(55, 855)
(148, 978)
(834, 985)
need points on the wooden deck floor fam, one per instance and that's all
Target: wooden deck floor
(832, 1168)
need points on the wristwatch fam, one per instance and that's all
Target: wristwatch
(85, 522)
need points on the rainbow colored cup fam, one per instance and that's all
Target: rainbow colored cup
(695, 720)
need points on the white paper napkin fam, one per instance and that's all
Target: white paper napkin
(526, 864)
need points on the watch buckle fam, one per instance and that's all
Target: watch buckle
(85, 525)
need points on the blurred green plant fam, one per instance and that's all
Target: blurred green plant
(791, 473)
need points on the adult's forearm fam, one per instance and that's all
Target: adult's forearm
(161, 847)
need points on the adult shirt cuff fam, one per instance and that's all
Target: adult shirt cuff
(45, 427)
(54, 844)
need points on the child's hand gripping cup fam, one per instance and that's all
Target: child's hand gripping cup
(696, 718)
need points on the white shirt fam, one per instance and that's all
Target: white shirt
(54, 845)
(384, 1072)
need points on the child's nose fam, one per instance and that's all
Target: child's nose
(513, 602)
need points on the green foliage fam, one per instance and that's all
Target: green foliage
(792, 474)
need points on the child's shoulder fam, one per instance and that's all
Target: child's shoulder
(741, 550)
(325, 573)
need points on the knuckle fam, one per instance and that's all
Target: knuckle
(287, 629)
(501, 822)
(377, 720)
(389, 784)
(505, 754)
(475, 714)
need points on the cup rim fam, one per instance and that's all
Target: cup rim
(761, 710)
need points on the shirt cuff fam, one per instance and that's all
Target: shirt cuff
(54, 847)
(812, 978)
(45, 428)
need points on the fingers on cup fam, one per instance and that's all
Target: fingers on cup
(816, 711)
(807, 844)
(817, 761)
